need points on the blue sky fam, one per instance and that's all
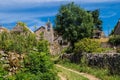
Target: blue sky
(37, 12)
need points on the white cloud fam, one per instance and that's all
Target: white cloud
(8, 8)
(13, 17)
(12, 11)
(108, 15)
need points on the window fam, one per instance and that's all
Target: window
(60, 42)
(48, 27)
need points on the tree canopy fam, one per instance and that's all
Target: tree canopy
(96, 20)
(74, 23)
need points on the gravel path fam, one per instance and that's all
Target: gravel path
(61, 76)
(90, 77)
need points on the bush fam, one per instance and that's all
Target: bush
(43, 46)
(18, 43)
(115, 40)
(39, 64)
(2, 72)
(38, 61)
(118, 50)
(87, 45)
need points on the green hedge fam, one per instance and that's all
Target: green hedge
(114, 40)
(87, 45)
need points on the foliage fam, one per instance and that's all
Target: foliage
(68, 50)
(118, 50)
(17, 42)
(73, 23)
(36, 64)
(21, 24)
(2, 72)
(112, 33)
(87, 45)
(39, 64)
(24, 26)
(38, 61)
(96, 20)
(43, 46)
(114, 40)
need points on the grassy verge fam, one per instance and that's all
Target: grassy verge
(70, 75)
(100, 73)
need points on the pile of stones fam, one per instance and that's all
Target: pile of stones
(11, 61)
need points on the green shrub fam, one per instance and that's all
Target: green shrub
(36, 65)
(43, 46)
(87, 45)
(118, 50)
(39, 63)
(18, 43)
(2, 72)
(114, 40)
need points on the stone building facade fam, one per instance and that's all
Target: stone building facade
(98, 34)
(3, 29)
(47, 32)
(56, 41)
(21, 28)
(117, 29)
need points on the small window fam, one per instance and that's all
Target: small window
(60, 42)
(65, 43)
(48, 28)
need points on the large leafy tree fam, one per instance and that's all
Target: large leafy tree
(96, 20)
(74, 23)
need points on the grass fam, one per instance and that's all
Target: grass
(70, 75)
(103, 74)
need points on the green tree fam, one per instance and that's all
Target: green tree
(96, 20)
(114, 40)
(73, 23)
(43, 46)
(39, 64)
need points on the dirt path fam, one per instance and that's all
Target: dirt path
(61, 77)
(90, 77)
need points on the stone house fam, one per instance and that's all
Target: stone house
(21, 28)
(56, 41)
(3, 29)
(98, 34)
(49, 34)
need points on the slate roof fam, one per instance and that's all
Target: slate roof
(39, 28)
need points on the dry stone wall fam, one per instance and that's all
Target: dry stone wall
(110, 61)
(11, 61)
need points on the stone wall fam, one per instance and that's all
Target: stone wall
(39, 31)
(110, 61)
(11, 61)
